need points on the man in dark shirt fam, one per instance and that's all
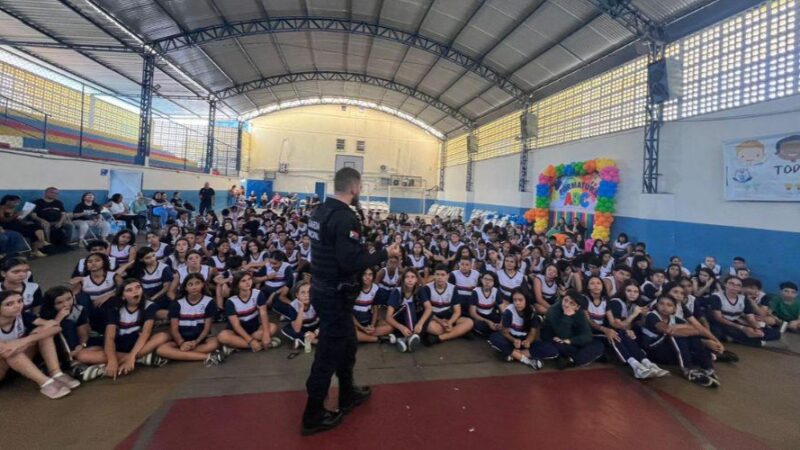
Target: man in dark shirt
(206, 198)
(338, 258)
(52, 215)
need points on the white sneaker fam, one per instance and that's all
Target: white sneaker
(656, 371)
(640, 372)
(784, 326)
(535, 364)
(392, 338)
(93, 372)
(413, 343)
(307, 344)
(402, 347)
(228, 351)
(67, 380)
(52, 389)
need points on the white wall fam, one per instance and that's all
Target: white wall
(690, 161)
(305, 138)
(31, 171)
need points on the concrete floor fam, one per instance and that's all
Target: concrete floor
(758, 395)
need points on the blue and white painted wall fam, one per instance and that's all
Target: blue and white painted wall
(691, 217)
(27, 174)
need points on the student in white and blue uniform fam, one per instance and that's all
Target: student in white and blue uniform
(732, 316)
(486, 305)
(123, 247)
(447, 321)
(303, 325)
(276, 274)
(510, 277)
(15, 273)
(515, 339)
(465, 279)
(387, 279)
(669, 340)
(408, 311)
(97, 288)
(191, 317)
(75, 325)
(156, 278)
(246, 310)
(545, 288)
(96, 246)
(365, 312)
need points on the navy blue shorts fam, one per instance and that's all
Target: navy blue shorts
(364, 318)
(126, 342)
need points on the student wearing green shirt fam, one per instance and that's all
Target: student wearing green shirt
(567, 335)
(786, 308)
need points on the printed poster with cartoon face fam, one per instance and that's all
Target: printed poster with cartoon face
(763, 169)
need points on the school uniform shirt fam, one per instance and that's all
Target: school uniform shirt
(717, 269)
(731, 310)
(571, 253)
(97, 290)
(305, 253)
(416, 263)
(204, 272)
(464, 283)
(77, 317)
(549, 290)
(31, 295)
(122, 255)
(192, 317)
(508, 283)
(513, 321)
(284, 276)
(174, 264)
(650, 290)
(652, 336)
(293, 258)
(614, 286)
(607, 268)
(480, 255)
(310, 317)
(620, 248)
(260, 258)
(362, 308)
(389, 281)
(686, 308)
(218, 263)
(152, 282)
(597, 313)
(485, 305)
(162, 251)
(246, 309)
(21, 327)
(406, 309)
(534, 268)
(619, 309)
(441, 301)
(236, 247)
(80, 268)
(454, 248)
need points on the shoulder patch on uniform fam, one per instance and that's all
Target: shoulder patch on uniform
(355, 235)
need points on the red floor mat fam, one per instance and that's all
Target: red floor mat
(589, 408)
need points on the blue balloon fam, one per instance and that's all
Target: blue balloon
(542, 190)
(569, 170)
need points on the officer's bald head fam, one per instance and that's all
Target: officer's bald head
(347, 181)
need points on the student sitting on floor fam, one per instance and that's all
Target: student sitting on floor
(162, 249)
(516, 337)
(129, 337)
(408, 311)
(14, 275)
(276, 274)
(668, 339)
(567, 335)
(759, 300)
(387, 279)
(732, 317)
(465, 279)
(60, 306)
(486, 306)
(545, 288)
(190, 319)
(248, 324)
(447, 322)
(365, 312)
(303, 327)
(123, 247)
(786, 307)
(155, 276)
(22, 337)
(96, 289)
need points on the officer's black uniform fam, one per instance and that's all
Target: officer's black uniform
(338, 257)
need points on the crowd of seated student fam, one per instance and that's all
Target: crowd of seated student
(131, 304)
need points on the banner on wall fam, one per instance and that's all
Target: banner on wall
(575, 193)
(763, 169)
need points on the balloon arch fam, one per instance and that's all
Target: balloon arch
(606, 192)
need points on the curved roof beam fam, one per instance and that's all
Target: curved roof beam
(270, 82)
(312, 101)
(293, 24)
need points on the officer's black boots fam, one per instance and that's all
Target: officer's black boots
(357, 395)
(317, 419)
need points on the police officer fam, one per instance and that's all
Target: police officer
(338, 257)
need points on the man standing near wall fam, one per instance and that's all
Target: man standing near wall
(52, 215)
(206, 198)
(339, 257)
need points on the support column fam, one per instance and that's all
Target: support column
(442, 164)
(146, 109)
(471, 151)
(239, 132)
(652, 132)
(523, 155)
(212, 115)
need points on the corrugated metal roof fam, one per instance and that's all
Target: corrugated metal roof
(530, 42)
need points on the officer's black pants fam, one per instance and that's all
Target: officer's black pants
(336, 347)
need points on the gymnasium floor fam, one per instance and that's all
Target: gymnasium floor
(457, 395)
